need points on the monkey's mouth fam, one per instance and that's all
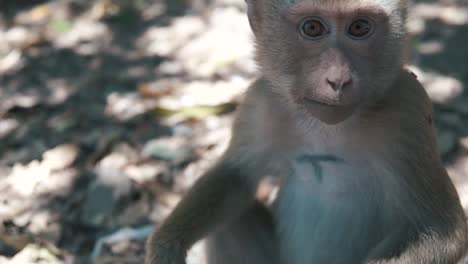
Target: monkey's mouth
(328, 112)
(321, 103)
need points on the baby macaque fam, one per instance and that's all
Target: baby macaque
(346, 134)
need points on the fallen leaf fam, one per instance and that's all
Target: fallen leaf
(198, 111)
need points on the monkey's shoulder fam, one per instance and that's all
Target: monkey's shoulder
(407, 102)
(262, 114)
(248, 127)
(412, 92)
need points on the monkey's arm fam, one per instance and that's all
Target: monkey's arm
(221, 194)
(436, 234)
(431, 248)
(435, 231)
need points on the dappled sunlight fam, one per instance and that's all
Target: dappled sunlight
(438, 58)
(59, 90)
(200, 52)
(110, 110)
(7, 125)
(26, 200)
(431, 47)
(11, 62)
(124, 106)
(82, 31)
(28, 180)
(160, 40)
(18, 100)
(449, 14)
(205, 93)
(441, 89)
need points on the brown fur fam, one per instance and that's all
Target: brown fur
(366, 186)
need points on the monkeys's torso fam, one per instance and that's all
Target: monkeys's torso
(335, 188)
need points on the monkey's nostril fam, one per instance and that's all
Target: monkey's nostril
(332, 84)
(348, 82)
(339, 85)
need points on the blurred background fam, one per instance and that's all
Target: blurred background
(111, 109)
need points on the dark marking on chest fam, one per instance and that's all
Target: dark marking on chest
(316, 162)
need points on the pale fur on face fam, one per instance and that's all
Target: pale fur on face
(270, 47)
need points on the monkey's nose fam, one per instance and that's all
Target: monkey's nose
(339, 84)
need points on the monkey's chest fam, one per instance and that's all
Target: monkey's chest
(331, 211)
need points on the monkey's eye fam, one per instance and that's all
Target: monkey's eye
(360, 28)
(313, 27)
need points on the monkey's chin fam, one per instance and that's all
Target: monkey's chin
(330, 114)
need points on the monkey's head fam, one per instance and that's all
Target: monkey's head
(329, 57)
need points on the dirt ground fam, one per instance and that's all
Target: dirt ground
(111, 109)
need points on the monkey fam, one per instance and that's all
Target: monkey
(346, 132)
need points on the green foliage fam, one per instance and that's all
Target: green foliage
(60, 25)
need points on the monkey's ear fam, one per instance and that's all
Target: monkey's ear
(254, 11)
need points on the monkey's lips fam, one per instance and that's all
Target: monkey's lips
(329, 112)
(322, 103)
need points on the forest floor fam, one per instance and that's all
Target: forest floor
(111, 109)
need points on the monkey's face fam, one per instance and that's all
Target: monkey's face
(328, 59)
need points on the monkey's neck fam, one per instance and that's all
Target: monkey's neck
(270, 122)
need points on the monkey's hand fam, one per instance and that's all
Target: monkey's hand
(163, 252)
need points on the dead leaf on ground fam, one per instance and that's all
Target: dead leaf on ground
(198, 111)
